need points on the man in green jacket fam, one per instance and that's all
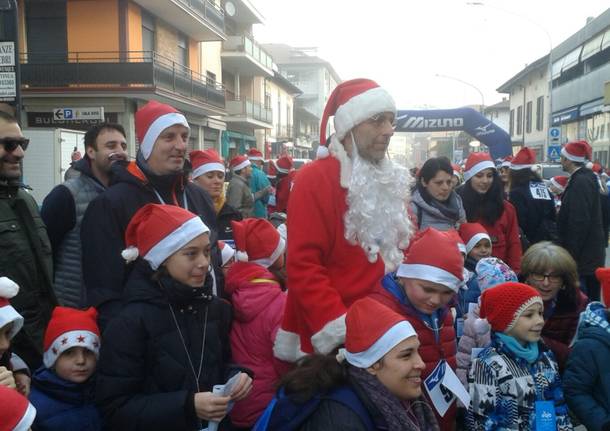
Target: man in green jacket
(26, 256)
(259, 183)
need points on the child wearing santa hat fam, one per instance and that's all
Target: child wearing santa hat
(586, 380)
(63, 388)
(227, 256)
(421, 290)
(514, 383)
(16, 413)
(374, 383)
(168, 347)
(258, 303)
(490, 271)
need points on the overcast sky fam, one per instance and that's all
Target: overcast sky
(403, 44)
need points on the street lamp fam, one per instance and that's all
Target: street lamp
(438, 75)
(549, 69)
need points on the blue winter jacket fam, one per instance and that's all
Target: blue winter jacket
(586, 380)
(62, 405)
(259, 182)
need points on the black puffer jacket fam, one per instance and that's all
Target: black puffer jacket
(106, 219)
(145, 380)
(535, 211)
(225, 216)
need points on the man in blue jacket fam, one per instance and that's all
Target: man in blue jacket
(259, 183)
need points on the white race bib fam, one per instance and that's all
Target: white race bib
(540, 191)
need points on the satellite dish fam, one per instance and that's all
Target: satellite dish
(230, 9)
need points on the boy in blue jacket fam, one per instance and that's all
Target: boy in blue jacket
(63, 388)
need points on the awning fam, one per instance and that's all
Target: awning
(241, 136)
(592, 47)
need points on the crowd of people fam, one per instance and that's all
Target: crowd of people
(350, 295)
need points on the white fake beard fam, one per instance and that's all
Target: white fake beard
(378, 195)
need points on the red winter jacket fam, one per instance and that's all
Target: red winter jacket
(282, 192)
(258, 304)
(430, 351)
(504, 234)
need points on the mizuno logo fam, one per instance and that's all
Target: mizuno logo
(483, 130)
(429, 123)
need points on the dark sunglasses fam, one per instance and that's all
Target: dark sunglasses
(11, 144)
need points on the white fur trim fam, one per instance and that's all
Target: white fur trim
(241, 256)
(130, 254)
(462, 247)
(429, 273)
(8, 288)
(485, 164)
(9, 315)
(520, 167)
(27, 419)
(287, 346)
(572, 157)
(158, 126)
(361, 107)
(330, 336)
(281, 170)
(227, 253)
(557, 185)
(208, 167)
(268, 261)
(242, 165)
(175, 241)
(589, 165)
(256, 158)
(76, 338)
(322, 152)
(505, 164)
(475, 239)
(397, 333)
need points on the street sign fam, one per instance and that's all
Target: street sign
(69, 114)
(7, 54)
(554, 135)
(8, 78)
(554, 152)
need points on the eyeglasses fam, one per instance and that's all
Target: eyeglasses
(379, 120)
(11, 144)
(553, 278)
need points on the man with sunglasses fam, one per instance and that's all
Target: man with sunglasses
(25, 255)
(64, 207)
(348, 220)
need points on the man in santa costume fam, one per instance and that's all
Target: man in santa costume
(348, 221)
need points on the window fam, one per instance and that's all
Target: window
(183, 50)
(210, 78)
(519, 120)
(148, 34)
(511, 122)
(528, 117)
(540, 113)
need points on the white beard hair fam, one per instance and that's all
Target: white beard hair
(378, 196)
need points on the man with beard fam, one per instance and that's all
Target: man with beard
(348, 221)
(64, 207)
(156, 176)
(26, 251)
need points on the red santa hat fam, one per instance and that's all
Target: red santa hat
(152, 119)
(16, 412)
(560, 182)
(226, 252)
(352, 102)
(271, 169)
(434, 256)
(76, 156)
(457, 170)
(70, 327)
(597, 168)
(284, 164)
(155, 232)
(206, 161)
(577, 151)
(257, 241)
(524, 159)
(8, 290)
(471, 234)
(255, 154)
(239, 162)
(506, 162)
(603, 276)
(372, 330)
(502, 305)
(475, 163)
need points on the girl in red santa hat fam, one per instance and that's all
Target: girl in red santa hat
(258, 303)
(168, 346)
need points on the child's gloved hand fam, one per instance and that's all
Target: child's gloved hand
(6, 378)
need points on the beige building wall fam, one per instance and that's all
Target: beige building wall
(210, 59)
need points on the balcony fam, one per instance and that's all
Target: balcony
(123, 74)
(202, 20)
(241, 55)
(285, 132)
(248, 113)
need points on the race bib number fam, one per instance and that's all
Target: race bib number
(545, 416)
(443, 386)
(540, 191)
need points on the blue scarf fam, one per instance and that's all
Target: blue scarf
(528, 353)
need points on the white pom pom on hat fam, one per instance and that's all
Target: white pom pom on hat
(130, 254)
(8, 288)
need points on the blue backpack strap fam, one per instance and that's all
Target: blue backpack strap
(346, 396)
(263, 421)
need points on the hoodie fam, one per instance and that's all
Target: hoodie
(258, 304)
(586, 379)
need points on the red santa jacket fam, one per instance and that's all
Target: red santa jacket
(325, 273)
(504, 234)
(282, 192)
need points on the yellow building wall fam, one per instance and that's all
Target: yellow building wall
(194, 63)
(134, 29)
(210, 59)
(93, 25)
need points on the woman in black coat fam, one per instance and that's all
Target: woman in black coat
(169, 345)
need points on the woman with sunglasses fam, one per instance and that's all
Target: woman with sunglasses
(551, 270)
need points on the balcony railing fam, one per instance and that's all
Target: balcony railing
(285, 131)
(249, 109)
(248, 46)
(129, 70)
(206, 10)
